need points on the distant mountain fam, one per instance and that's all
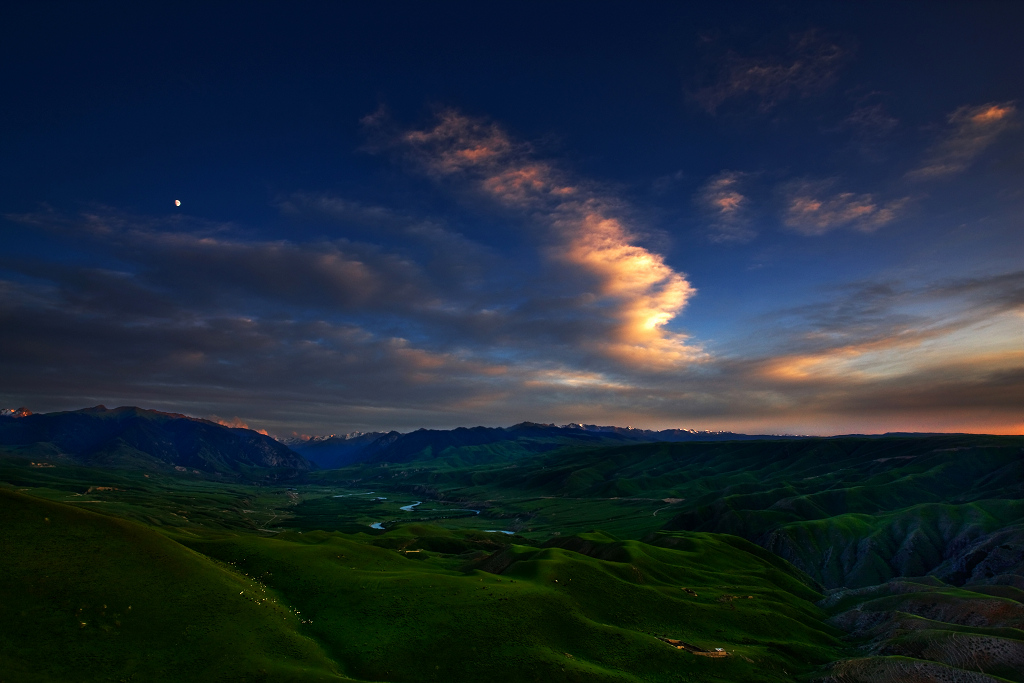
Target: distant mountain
(486, 444)
(480, 445)
(134, 438)
(331, 452)
(675, 435)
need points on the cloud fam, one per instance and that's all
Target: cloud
(726, 207)
(452, 260)
(870, 122)
(808, 67)
(572, 378)
(334, 335)
(867, 329)
(440, 289)
(265, 368)
(867, 354)
(812, 209)
(336, 274)
(627, 285)
(339, 209)
(869, 127)
(970, 131)
(202, 266)
(1000, 292)
(879, 356)
(205, 319)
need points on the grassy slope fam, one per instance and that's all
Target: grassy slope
(86, 597)
(553, 614)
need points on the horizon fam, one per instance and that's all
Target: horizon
(331, 219)
(235, 423)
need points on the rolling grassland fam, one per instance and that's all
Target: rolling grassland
(834, 560)
(93, 597)
(848, 511)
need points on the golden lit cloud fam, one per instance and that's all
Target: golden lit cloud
(993, 341)
(726, 207)
(812, 210)
(632, 285)
(573, 379)
(971, 131)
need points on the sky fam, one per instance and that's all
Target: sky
(322, 217)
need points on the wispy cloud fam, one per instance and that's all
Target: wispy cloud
(870, 122)
(340, 209)
(970, 131)
(216, 265)
(931, 354)
(628, 285)
(726, 208)
(226, 362)
(808, 67)
(453, 261)
(1002, 292)
(812, 208)
(853, 331)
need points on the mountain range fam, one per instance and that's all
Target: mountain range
(474, 445)
(134, 438)
(138, 438)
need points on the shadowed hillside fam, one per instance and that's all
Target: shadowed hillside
(148, 439)
(924, 630)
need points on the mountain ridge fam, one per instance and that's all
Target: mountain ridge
(135, 438)
(489, 444)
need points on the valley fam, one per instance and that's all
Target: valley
(844, 559)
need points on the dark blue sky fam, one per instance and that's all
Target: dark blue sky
(796, 217)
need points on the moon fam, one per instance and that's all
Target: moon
(177, 202)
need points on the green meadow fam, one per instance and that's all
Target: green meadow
(571, 565)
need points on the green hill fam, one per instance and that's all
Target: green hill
(85, 597)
